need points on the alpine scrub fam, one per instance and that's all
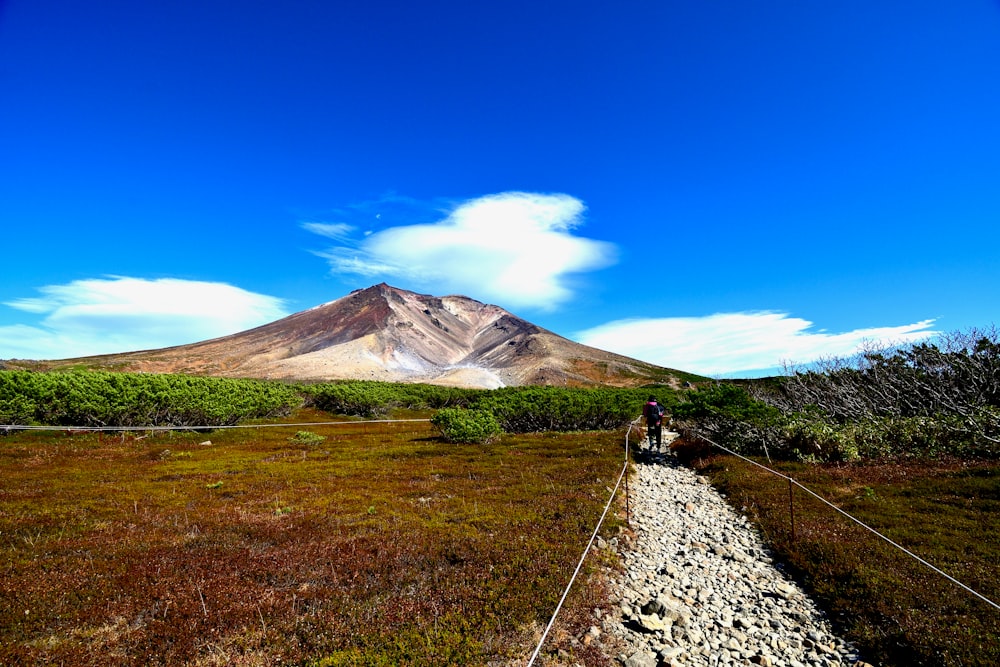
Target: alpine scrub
(93, 398)
(373, 399)
(541, 409)
(97, 398)
(467, 426)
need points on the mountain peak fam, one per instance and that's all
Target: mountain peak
(387, 333)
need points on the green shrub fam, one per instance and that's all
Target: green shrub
(529, 409)
(90, 398)
(813, 439)
(372, 399)
(728, 401)
(727, 413)
(357, 399)
(307, 438)
(541, 409)
(18, 410)
(467, 426)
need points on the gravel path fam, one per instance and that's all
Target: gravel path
(699, 587)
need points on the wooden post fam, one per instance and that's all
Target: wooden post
(628, 514)
(791, 507)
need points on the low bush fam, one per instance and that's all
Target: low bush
(90, 398)
(371, 399)
(733, 417)
(307, 438)
(808, 439)
(728, 414)
(358, 399)
(467, 426)
(541, 409)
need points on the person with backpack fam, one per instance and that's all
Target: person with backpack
(653, 412)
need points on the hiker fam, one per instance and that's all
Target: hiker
(653, 412)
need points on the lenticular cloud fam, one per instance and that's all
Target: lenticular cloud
(516, 248)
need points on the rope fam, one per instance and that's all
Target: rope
(586, 551)
(18, 427)
(859, 522)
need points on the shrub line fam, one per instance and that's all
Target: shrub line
(857, 521)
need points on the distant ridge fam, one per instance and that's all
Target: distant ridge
(390, 334)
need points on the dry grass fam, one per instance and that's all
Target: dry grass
(377, 545)
(897, 610)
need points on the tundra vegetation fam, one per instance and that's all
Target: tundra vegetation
(905, 439)
(316, 543)
(104, 399)
(354, 543)
(449, 542)
(119, 399)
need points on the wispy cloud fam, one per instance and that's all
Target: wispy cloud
(514, 248)
(734, 344)
(120, 314)
(334, 230)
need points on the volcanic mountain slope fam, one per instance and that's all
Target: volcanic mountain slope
(385, 333)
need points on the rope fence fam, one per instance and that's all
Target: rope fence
(793, 482)
(622, 477)
(597, 528)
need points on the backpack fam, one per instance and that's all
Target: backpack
(654, 412)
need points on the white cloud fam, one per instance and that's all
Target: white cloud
(333, 230)
(120, 314)
(735, 344)
(514, 248)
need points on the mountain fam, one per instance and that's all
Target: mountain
(385, 333)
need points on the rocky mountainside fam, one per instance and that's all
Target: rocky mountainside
(385, 333)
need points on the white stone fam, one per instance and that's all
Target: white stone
(716, 599)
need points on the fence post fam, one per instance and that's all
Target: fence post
(791, 507)
(628, 513)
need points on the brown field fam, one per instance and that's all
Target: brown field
(377, 545)
(897, 610)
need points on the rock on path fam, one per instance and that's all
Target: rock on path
(699, 588)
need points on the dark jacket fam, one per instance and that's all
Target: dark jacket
(653, 413)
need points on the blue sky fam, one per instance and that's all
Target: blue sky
(713, 186)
